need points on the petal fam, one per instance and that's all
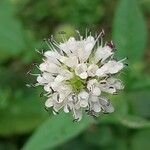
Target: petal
(59, 79)
(52, 57)
(114, 66)
(83, 103)
(83, 95)
(66, 110)
(96, 91)
(84, 48)
(83, 75)
(96, 106)
(102, 53)
(92, 70)
(106, 105)
(69, 47)
(47, 88)
(43, 66)
(41, 80)
(48, 77)
(49, 67)
(71, 61)
(66, 74)
(101, 72)
(116, 83)
(77, 114)
(49, 103)
(80, 70)
(93, 98)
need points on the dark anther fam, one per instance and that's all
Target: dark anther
(45, 40)
(103, 82)
(111, 45)
(111, 87)
(56, 112)
(76, 120)
(58, 97)
(105, 112)
(91, 113)
(46, 108)
(126, 64)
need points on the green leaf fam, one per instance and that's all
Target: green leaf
(12, 35)
(142, 83)
(129, 31)
(140, 103)
(55, 131)
(20, 114)
(140, 140)
(135, 122)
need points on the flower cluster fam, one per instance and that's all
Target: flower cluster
(76, 73)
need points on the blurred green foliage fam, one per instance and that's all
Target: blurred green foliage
(23, 25)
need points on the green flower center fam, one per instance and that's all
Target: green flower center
(77, 83)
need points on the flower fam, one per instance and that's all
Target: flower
(75, 75)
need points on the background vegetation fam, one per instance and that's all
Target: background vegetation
(24, 124)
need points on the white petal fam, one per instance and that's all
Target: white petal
(48, 77)
(49, 103)
(110, 67)
(116, 83)
(106, 105)
(71, 61)
(47, 88)
(80, 70)
(101, 72)
(57, 106)
(43, 67)
(49, 67)
(92, 70)
(69, 47)
(84, 48)
(114, 66)
(52, 56)
(59, 79)
(77, 114)
(41, 80)
(96, 107)
(66, 74)
(93, 98)
(83, 98)
(102, 53)
(83, 103)
(83, 75)
(93, 87)
(83, 95)
(96, 91)
(66, 110)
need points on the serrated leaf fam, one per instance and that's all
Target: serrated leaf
(129, 31)
(55, 131)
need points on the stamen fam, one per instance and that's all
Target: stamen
(40, 52)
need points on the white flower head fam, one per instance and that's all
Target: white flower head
(76, 73)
